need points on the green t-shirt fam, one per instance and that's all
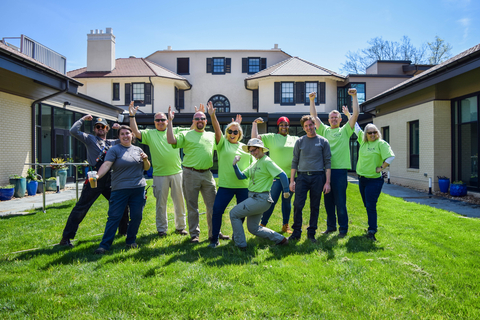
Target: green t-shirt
(339, 139)
(371, 156)
(226, 152)
(197, 147)
(165, 159)
(281, 149)
(261, 174)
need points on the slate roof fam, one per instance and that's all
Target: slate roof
(295, 67)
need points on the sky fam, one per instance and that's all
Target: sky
(321, 32)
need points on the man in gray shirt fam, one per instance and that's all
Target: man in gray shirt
(311, 161)
(96, 144)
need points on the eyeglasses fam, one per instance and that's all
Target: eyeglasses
(99, 127)
(162, 120)
(200, 119)
(235, 132)
(252, 150)
(372, 132)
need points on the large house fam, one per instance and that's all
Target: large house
(431, 121)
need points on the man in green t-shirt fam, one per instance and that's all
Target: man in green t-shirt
(167, 171)
(198, 146)
(339, 139)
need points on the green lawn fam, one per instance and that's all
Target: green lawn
(424, 266)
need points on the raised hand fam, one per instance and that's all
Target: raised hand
(352, 91)
(171, 114)
(312, 95)
(116, 126)
(210, 108)
(258, 120)
(236, 159)
(132, 110)
(88, 117)
(238, 119)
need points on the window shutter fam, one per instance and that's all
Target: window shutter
(244, 65)
(209, 65)
(294, 92)
(255, 99)
(277, 92)
(300, 92)
(181, 99)
(127, 94)
(228, 65)
(148, 93)
(263, 63)
(321, 94)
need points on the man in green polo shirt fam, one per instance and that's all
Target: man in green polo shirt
(167, 171)
(198, 146)
(339, 139)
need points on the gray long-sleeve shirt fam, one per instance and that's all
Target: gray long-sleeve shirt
(311, 154)
(93, 143)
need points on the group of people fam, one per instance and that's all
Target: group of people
(317, 162)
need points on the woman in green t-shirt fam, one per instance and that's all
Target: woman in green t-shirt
(228, 146)
(261, 174)
(374, 155)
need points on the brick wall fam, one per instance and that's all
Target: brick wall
(435, 143)
(15, 132)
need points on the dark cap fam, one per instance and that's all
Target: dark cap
(102, 121)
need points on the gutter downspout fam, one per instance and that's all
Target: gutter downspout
(67, 86)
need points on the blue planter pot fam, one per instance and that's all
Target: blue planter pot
(32, 187)
(20, 187)
(6, 194)
(443, 185)
(458, 190)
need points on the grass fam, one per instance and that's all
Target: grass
(424, 266)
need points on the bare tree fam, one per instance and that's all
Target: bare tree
(439, 51)
(379, 49)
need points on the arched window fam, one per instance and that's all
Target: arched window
(221, 103)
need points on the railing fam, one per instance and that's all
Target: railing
(44, 165)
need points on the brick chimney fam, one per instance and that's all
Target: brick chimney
(101, 50)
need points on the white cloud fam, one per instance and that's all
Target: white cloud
(465, 23)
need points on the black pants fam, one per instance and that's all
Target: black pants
(88, 197)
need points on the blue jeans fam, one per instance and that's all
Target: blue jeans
(337, 198)
(370, 190)
(222, 199)
(275, 192)
(305, 183)
(119, 199)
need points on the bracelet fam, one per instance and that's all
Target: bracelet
(132, 116)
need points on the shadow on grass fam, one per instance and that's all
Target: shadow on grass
(362, 244)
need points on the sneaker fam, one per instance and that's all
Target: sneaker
(342, 235)
(293, 238)
(195, 239)
(312, 240)
(66, 243)
(214, 244)
(286, 229)
(182, 232)
(371, 236)
(132, 245)
(223, 237)
(100, 251)
(162, 234)
(242, 248)
(329, 231)
(284, 242)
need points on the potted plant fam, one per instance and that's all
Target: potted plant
(20, 184)
(458, 189)
(32, 183)
(51, 184)
(59, 169)
(443, 183)
(6, 192)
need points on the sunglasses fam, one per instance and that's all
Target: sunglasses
(99, 127)
(372, 132)
(235, 132)
(252, 150)
(200, 119)
(162, 120)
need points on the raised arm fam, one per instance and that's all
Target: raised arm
(216, 125)
(75, 129)
(132, 110)
(254, 133)
(354, 117)
(313, 109)
(170, 137)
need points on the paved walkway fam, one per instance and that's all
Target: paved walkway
(20, 206)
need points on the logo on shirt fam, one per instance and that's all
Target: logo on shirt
(318, 145)
(337, 134)
(371, 149)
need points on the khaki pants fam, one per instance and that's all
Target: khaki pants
(161, 185)
(195, 182)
